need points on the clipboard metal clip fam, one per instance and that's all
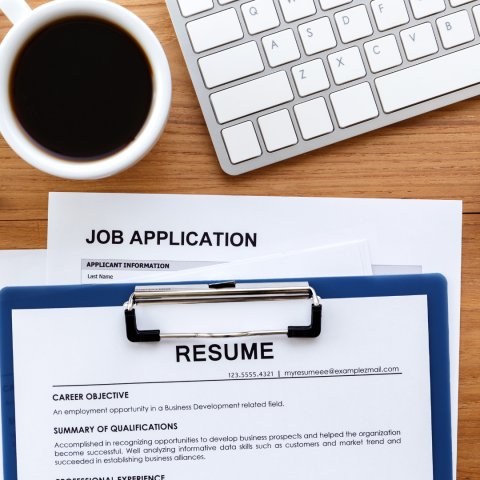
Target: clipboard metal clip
(219, 293)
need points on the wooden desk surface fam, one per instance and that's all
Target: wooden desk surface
(435, 156)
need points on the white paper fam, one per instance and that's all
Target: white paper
(317, 384)
(23, 268)
(347, 259)
(423, 234)
(71, 246)
(20, 268)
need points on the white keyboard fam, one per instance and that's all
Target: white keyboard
(278, 78)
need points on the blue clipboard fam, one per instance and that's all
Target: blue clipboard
(78, 296)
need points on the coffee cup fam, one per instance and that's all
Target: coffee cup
(17, 132)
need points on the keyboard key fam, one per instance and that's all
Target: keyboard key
(457, 3)
(383, 53)
(215, 30)
(354, 105)
(429, 79)
(277, 130)
(251, 97)
(476, 14)
(313, 118)
(281, 48)
(260, 15)
(224, 2)
(297, 9)
(328, 4)
(317, 36)
(455, 29)
(310, 77)
(232, 64)
(424, 8)
(389, 14)
(346, 65)
(353, 24)
(419, 41)
(241, 142)
(192, 7)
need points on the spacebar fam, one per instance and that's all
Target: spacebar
(429, 80)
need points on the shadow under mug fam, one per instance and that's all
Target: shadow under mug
(26, 23)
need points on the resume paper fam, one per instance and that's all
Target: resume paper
(352, 403)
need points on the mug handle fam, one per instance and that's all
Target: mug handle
(15, 10)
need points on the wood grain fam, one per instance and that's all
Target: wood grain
(469, 399)
(432, 156)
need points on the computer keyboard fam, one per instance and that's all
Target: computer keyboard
(278, 78)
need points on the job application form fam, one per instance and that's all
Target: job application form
(352, 403)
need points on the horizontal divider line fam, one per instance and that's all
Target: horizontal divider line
(225, 380)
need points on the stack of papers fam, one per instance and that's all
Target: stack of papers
(129, 238)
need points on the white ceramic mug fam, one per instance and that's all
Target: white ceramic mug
(26, 23)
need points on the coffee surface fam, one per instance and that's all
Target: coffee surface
(82, 88)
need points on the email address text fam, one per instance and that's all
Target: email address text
(341, 371)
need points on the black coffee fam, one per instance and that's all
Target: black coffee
(82, 88)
